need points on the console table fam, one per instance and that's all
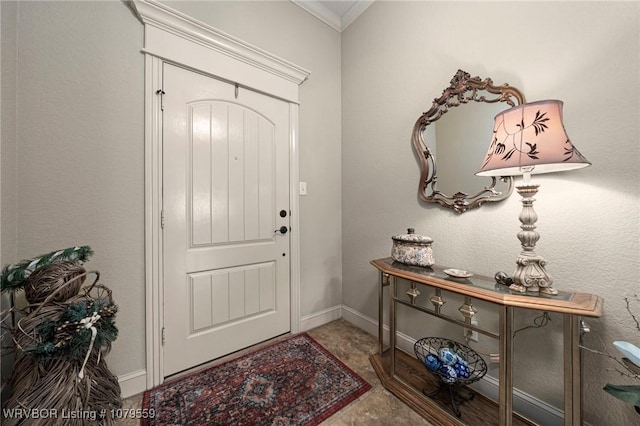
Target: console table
(434, 281)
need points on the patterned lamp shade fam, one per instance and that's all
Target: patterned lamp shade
(531, 138)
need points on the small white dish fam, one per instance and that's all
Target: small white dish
(630, 351)
(458, 273)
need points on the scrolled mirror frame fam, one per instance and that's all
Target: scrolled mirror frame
(462, 89)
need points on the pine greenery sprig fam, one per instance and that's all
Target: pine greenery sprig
(14, 276)
(69, 338)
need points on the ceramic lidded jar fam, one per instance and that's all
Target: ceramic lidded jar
(412, 249)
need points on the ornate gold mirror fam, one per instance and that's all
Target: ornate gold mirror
(451, 150)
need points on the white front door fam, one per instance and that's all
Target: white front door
(226, 215)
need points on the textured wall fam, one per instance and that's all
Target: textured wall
(8, 211)
(8, 195)
(399, 56)
(80, 130)
(79, 133)
(80, 148)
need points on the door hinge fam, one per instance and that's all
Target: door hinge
(163, 336)
(162, 219)
(161, 93)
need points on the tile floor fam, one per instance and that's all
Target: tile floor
(353, 347)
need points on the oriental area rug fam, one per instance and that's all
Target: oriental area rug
(295, 381)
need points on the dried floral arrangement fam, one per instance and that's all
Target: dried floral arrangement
(59, 340)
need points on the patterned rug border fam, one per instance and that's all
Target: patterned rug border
(366, 386)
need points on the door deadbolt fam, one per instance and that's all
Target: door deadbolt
(283, 213)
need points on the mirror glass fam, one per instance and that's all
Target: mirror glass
(451, 138)
(458, 141)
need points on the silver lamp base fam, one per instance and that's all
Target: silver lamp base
(530, 275)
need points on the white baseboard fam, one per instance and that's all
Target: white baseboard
(525, 404)
(320, 318)
(133, 383)
(363, 322)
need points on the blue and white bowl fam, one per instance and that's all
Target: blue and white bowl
(451, 361)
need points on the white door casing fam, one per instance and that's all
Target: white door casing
(172, 37)
(226, 218)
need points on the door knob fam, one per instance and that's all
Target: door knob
(283, 230)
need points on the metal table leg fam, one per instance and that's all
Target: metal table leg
(506, 366)
(392, 326)
(384, 282)
(572, 371)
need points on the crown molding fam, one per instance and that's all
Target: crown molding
(154, 14)
(321, 12)
(331, 18)
(354, 12)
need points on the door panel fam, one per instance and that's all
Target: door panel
(232, 175)
(223, 295)
(225, 178)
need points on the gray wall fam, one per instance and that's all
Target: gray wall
(72, 151)
(78, 149)
(8, 195)
(73, 172)
(399, 56)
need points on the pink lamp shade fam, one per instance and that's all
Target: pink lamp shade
(531, 138)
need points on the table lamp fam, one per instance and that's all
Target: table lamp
(530, 138)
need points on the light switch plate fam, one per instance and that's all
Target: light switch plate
(303, 188)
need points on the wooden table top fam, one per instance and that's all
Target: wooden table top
(486, 288)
